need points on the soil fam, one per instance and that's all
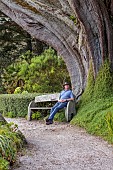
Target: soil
(61, 146)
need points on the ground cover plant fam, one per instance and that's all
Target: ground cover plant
(11, 141)
(95, 109)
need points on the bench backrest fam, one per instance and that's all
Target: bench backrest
(47, 97)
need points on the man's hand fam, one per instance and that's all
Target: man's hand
(62, 100)
(65, 100)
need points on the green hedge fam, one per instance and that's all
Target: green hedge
(16, 105)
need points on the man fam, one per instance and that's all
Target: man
(65, 96)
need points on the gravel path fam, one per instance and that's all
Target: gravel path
(61, 146)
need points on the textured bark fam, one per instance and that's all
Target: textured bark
(79, 30)
(95, 16)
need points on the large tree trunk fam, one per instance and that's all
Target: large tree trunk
(80, 31)
(96, 17)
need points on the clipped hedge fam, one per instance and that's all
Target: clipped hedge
(16, 105)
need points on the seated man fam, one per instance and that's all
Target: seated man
(65, 96)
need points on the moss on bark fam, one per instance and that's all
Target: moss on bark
(27, 6)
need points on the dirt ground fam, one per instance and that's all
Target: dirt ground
(61, 146)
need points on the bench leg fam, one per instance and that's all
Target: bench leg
(70, 111)
(29, 114)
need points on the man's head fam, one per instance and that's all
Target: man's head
(66, 85)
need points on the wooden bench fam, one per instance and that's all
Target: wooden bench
(45, 102)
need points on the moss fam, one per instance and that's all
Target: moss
(88, 93)
(73, 18)
(27, 6)
(95, 111)
(104, 82)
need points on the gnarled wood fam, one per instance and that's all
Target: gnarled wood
(51, 23)
(80, 31)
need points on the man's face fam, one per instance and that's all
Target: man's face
(66, 87)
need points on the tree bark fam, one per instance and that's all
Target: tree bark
(95, 17)
(80, 31)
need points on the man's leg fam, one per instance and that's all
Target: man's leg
(56, 109)
(52, 109)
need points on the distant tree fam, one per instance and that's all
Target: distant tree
(13, 42)
(44, 73)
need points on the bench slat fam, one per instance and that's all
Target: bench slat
(47, 97)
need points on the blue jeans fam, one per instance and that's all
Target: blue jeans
(56, 108)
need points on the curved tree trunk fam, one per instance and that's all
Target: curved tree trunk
(95, 16)
(80, 31)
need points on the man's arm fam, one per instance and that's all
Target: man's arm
(70, 99)
(66, 100)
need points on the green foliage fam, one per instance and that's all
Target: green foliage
(4, 164)
(13, 42)
(60, 116)
(10, 114)
(8, 148)
(15, 105)
(95, 118)
(73, 18)
(36, 115)
(95, 111)
(104, 82)
(88, 94)
(17, 90)
(25, 92)
(109, 120)
(11, 141)
(44, 73)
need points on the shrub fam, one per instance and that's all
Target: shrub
(17, 90)
(43, 73)
(15, 105)
(36, 115)
(8, 148)
(25, 92)
(11, 140)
